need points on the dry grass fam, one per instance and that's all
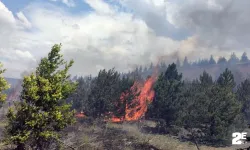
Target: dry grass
(126, 136)
(163, 142)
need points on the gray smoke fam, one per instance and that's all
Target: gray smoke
(223, 24)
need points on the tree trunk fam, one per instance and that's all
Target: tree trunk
(194, 140)
(20, 146)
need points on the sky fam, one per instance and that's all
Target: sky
(100, 34)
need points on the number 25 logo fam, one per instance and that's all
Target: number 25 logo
(237, 137)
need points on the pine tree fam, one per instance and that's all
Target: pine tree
(224, 109)
(3, 86)
(206, 79)
(127, 95)
(210, 111)
(104, 93)
(203, 62)
(42, 112)
(244, 58)
(167, 89)
(211, 60)
(77, 98)
(193, 114)
(233, 59)
(243, 95)
(226, 79)
(185, 62)
(109, 95)
(222, 60)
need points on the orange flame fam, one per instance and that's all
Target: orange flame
(80, 115)
(140, 102)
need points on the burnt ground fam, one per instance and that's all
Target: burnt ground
(124, 136)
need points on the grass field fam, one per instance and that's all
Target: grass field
(126, 136)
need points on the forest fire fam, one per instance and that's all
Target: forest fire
(138, 107)
(80, 115)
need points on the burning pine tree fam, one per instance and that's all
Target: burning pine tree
(143, 95)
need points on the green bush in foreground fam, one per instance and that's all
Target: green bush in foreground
(42, 112)
(3, 86)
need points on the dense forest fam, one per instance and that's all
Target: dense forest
(209, 109)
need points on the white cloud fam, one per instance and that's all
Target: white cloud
(16, 61)
(23, 20)
(24, 54)
(104, 38)
(100, 6)
(6, 15)
(11, 37)
(69, 3)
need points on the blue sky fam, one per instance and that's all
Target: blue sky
(119, 33)
(80, 6)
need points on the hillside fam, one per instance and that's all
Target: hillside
(13, 81)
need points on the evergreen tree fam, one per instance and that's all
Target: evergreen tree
(233, 59)
(226, 79)
(203, 62)
(210, 111)
(3, 86)
(185, 62)
(193, 114)
(109, 95)
(77, 98)
(167, 89)
(42, 112)
(206, 79)
(104, 93)
(222, 60)
(243, 95)
(224, 109)
(211, 60)
(127, 95)
(88, 83)
(244, 58)
(238, 76)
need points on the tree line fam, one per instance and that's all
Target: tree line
(233, 60)
(211, 61)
